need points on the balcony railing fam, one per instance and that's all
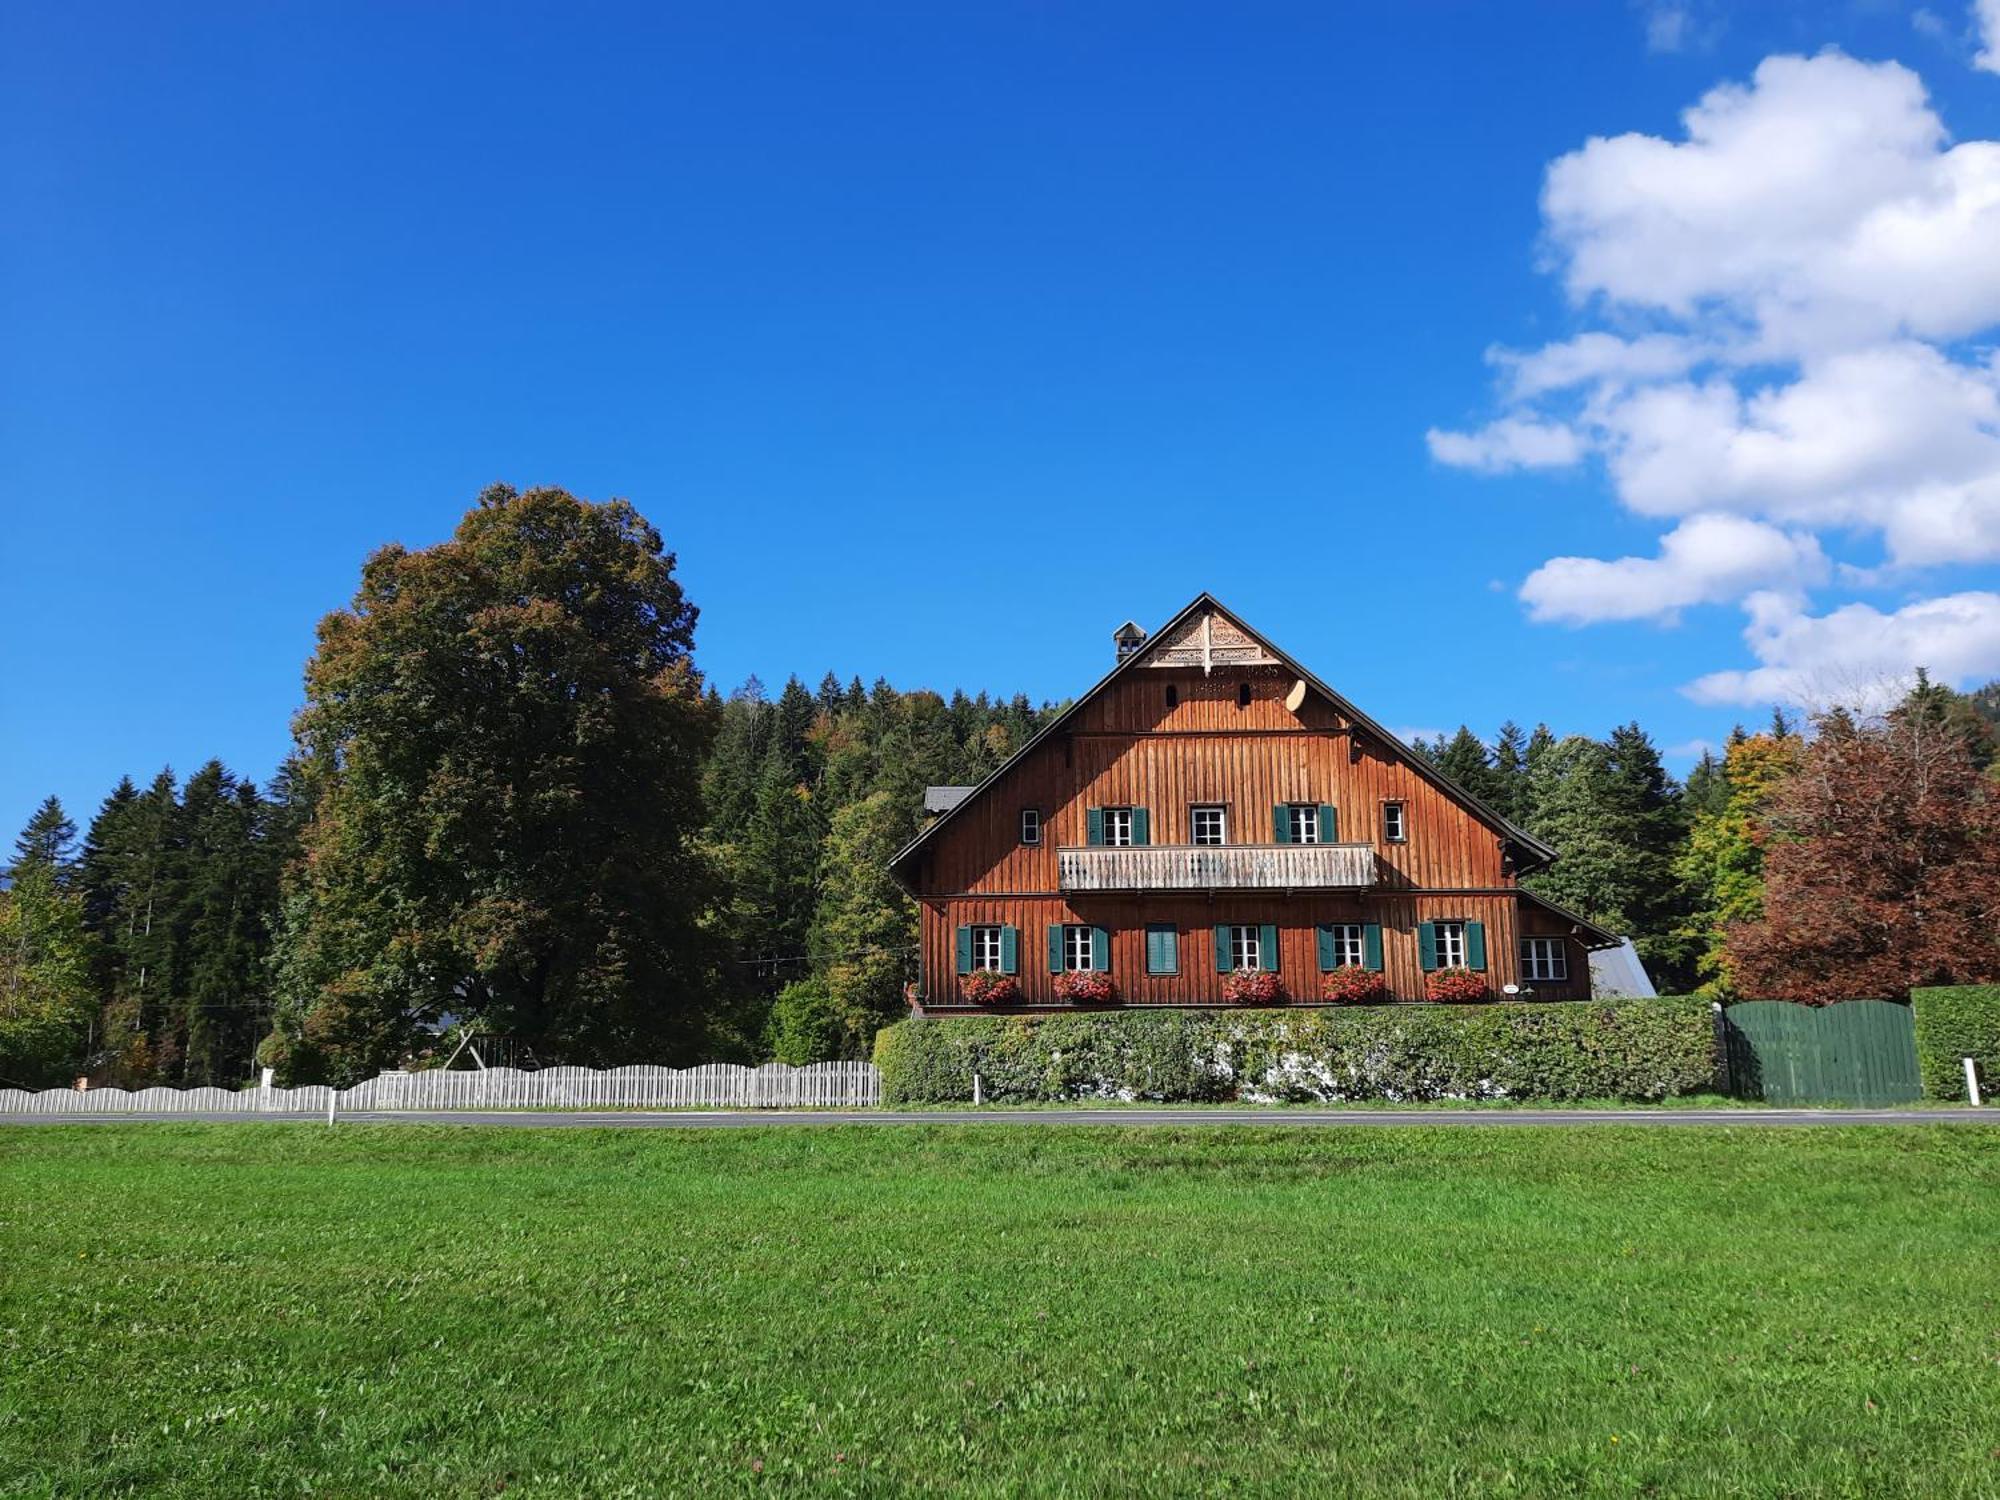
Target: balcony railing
(1213, 867)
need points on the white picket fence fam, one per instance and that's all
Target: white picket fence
(850, 1085)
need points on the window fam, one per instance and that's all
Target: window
(1210, 825)
(1242, 695)
(1163, 948)
(1173, 695)
(1246, 949)
(1450, 944)
(1118, 826)
(1544, 958)
(1304, 819)
(1393, 828)
(1031, 825)
(1076, 949)
(1347, 950)
(986, 948)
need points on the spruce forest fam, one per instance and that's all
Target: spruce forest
(515, 807)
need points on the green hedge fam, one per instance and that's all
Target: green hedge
(1624, 1049)
(1956, 1022)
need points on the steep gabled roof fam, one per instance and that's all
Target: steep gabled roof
(1540, 853)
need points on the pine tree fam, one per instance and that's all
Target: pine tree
(1650, 804)
(1576, 802)
(1510, 771)
(49, 840)
(1467, 763)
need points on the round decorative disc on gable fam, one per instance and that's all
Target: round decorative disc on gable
(1296, 698)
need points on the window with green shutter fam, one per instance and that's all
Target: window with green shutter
(1427, 946)
(1371, 946)
(1093, 826)
(1475, 945)
(1163, 948)
(1010, 950)
(964, 945)
(1267, 947)
(1055, 947)
(1224, 962)
(1142, 826)
(1100, 950)
(1329, 823)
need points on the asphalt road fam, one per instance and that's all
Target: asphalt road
(740, 1119)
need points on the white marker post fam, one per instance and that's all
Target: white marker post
(978, 1089)
(330, 1097)
(1972, 1082)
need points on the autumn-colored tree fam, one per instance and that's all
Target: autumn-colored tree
(502, 746)
(1883, 867)
(1721, 868)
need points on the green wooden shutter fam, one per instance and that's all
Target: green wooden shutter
(1010, 950)
(1267, 947)
(1329, 823)
(964, 950)
(1371, 946)
(1142, 826)
(1281, 824)
(1093, 819)
(1475, 945)
(1163, 949)
(1222, 964)
(1100, 950)
(1427, 945)
(1325, 949)
(1055, 948)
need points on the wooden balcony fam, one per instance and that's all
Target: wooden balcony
(1218, 867)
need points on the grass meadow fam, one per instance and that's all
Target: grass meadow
(280, 1309)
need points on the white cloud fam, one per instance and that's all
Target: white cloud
(1986, 17)
(1667, 28)
(1510, 443)
(1410, 736)
(1819, 204)
(1858, 655)
(1779, 306)
(1705, 560)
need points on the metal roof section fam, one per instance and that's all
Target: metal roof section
(1616, 973)
(942, 799)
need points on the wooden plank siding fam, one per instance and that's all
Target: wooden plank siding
(1129, 748)
(1171, 738)
(1297, 918)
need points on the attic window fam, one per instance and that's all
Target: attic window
(1242, 695)
(1173, 695)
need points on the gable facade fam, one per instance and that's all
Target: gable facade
(1210, 806)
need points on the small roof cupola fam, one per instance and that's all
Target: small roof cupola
(1128, 638)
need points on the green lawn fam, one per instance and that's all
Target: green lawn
(407, 1310)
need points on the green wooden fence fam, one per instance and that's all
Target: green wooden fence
(1856, 1052)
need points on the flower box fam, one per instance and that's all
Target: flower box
(1354, 985)
(989, 987)
(1085, 987)
(1252, 987)
(1455, 986)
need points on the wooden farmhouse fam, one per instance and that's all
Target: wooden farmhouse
(1211, 807)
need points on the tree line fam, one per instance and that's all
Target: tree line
(514, 807)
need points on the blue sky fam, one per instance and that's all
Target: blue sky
(938, 340)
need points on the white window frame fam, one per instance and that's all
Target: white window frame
(1118, 827)
(1221, 819)
(1545, 960)
(1246, 946)
(1303, 820)
(1347, 949)
(1395, 823)
(986, 949)
(1450, 944)
(1031, 825)
(1076, 948)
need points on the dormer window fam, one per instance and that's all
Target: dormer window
(1031, 825)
